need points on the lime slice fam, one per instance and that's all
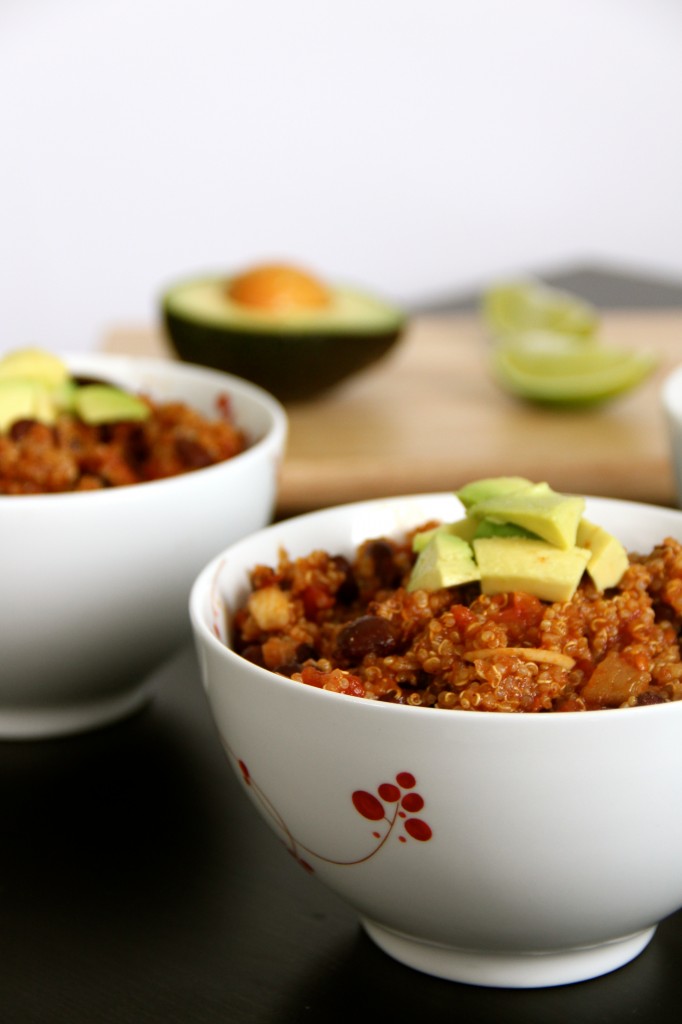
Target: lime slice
(522, 306)
(548, 368)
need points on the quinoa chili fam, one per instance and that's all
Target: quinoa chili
(70, 455)
(350, 625)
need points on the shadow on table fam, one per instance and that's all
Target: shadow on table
(108, 817)
(137, 882)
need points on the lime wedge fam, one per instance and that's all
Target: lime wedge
(547, 368)
(520, 306)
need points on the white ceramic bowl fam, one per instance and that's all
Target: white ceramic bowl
(94, 585)
(549, 845)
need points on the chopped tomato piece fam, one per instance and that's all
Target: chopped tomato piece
(337, 681)
(316, 599)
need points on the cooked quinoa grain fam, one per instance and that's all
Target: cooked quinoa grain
(350, 626)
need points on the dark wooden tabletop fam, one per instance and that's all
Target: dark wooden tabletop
(137, 884)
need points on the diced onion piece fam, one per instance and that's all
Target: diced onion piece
(529, 653)
(270, 608)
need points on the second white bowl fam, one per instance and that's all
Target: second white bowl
(94, 585)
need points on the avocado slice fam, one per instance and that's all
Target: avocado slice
(489, 528)
(102, 403)
(37, 385)
(34, 364)
(533, 566)
(446, 561)
(470, 528)
(464, 528)
(490, 487)
(538, 508)
(64, 395)
(608, 558)
(24, 400)
(294, 352)
(518, 536)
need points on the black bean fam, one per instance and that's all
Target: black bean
(370, 634)
(83, 381)
(392, 697)
(304, 652)
(192, 454)
(20, 428)
(254, 653)
(137, 447)
(649, 697)
(385, 569)
(348, 590)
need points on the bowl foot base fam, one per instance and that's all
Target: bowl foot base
(508, 970)
(42, 723)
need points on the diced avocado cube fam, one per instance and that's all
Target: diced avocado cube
(553, 517)
(44, 408)
(489, 528)
(446, 561)
(608, 558)
(535, 567)
(490, 487)
(102, 403)
(64, 395)
(423, 537)
(33, 364)
(464, 528)
(24, 400)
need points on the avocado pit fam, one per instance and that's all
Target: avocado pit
(278, 288)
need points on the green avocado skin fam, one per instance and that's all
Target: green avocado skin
(292, 367)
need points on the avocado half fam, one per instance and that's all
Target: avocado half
(294, 354)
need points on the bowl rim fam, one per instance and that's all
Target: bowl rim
(274, 437)
(207, 577)
(671, 392)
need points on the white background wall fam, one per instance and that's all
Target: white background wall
(413, 146)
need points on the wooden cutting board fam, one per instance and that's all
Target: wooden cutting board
(430, 418)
